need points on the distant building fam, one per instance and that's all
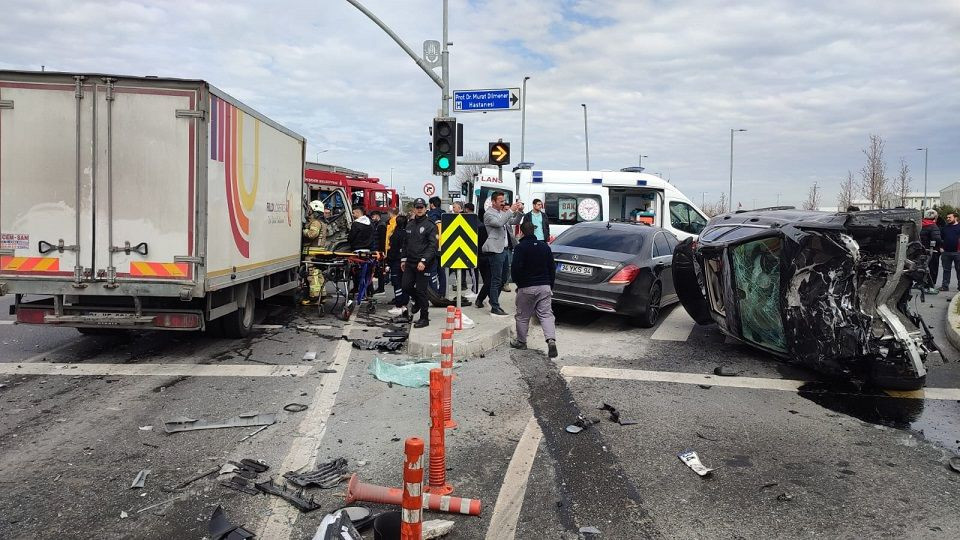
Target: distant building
(951, 194)
(914, 199)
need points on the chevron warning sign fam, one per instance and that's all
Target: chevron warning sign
(458, 240)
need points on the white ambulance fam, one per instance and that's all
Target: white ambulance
(572, 197)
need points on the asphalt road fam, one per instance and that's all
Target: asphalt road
(825, 461)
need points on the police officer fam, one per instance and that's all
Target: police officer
(418, 255)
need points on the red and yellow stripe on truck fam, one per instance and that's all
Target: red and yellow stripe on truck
(158, 269)
(29, 264)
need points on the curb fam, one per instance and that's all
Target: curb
(465, 345)
(952, 323)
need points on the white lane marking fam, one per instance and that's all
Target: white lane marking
(506, 511)
(281, 516)
(151, 370)
(676, 327)
(787, 385)
(268, 326)
(7, 322)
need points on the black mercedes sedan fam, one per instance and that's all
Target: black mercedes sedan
(616, 268)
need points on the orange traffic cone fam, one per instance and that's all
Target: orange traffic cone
(438, 458)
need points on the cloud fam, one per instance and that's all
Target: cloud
(809, 81)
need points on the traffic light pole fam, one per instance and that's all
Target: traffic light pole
(445, 97)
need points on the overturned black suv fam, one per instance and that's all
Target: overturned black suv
(828, 290)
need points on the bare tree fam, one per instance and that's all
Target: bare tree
(873, 174)
(901, 183)
(465, 173)
(814, 198)
(712, 209)
(847, 190)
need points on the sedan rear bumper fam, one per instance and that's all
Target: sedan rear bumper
(605, 298)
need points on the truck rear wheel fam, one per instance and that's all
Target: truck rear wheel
(239, 323)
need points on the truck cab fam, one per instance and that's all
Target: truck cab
(362, 191)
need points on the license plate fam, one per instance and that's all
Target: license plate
(576, 269)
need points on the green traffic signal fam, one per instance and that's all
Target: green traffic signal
(443, 163)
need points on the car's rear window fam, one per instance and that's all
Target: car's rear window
(603, 239)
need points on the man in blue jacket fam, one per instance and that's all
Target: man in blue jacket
(950, 250)
(534, 272)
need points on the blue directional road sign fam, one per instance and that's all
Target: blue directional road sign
(496, 99)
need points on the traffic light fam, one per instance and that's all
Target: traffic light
(444, 146)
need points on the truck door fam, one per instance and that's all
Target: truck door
(46, 178)
(146, 178)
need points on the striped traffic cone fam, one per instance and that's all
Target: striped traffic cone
(446, 364)
(412, 500)
(438, 450)
(358, 491)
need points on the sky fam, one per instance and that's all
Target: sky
(809, 80)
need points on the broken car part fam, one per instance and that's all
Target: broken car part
(140, 479)
(254, 432)
(191, 480)
(296, 498)
(310, 356)
(240, 484)
(692, 460)
(221, 529)
(615, 415)
(295, 407)
(337, 526)
(574, 429)
(244, 420)
(325, 476)
(377, 344)
(829, 290)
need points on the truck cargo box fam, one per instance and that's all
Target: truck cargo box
(123, 197)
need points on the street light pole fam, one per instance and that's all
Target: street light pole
(924, 204)
(391, 177)
(640, 162)
(586, 137)
(730, 192)
(523, 117)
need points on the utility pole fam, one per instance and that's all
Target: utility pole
(924, 204)
(586, 137)
(730, 204)
(523, 117)
(445, 95)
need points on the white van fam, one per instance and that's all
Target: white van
(571, 197)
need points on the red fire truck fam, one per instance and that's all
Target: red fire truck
(367, 193)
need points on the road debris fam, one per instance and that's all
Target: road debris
(326, 370)
(296, 498)
(410, 374)
(325, 476)
(193, 479)
(240, 484)
(704, 437)
(574, 429)
(221, 529)
(140, 479)
(295, 407)
(124, 515)
(396, 334)
(955, 464)
(252, 433)
(692, 460)
(377, 344)
(725, 371)
(589, 531)
(784, 497)
(161, 503)
(310, 356)
(436, 528)
(337, 526)
(178, 424)
(769, 485)
(146, 428)
(615, 415)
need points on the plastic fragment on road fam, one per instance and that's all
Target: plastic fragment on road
(589, 531)
(295, 407)
(249, 419)
(146, 428)
(220, 527)
(254, 432)
(124, 515)
(692, 460)
(325, 476)
(411, 374)
(296, 498)
(193, 479)
(338, 526)
(436, 528)
(615, 415)
(140, 479)
(377, 344)
(310, 356)
(574, 429)
(240, 484)
(724, 371)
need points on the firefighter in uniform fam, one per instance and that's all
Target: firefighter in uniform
(313, 233)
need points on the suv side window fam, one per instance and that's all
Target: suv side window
(684, 217)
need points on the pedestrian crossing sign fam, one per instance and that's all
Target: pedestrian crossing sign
(458, 241)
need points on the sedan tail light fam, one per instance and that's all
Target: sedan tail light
(626, 275)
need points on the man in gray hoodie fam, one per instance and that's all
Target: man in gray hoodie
(496, 219)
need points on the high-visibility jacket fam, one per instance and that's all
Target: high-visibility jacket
(391, 225)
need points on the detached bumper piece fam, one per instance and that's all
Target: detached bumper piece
(221, 529)
(296, 498)
(326, 476)
(828, 290)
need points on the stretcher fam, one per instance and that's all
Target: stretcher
(350, 272)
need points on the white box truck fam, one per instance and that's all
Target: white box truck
(141, 202)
